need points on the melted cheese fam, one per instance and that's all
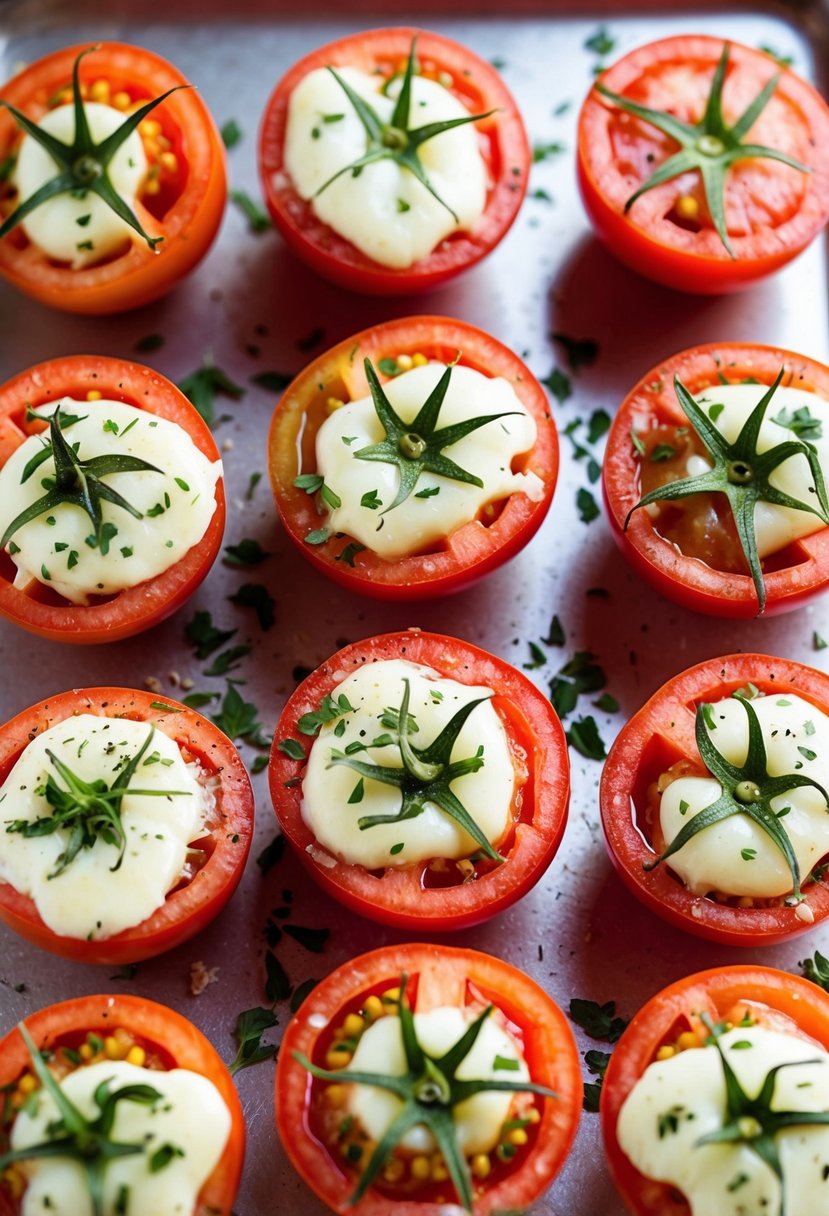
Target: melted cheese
(176, 503)
(79, 227)
(326, 789)
(384, 210)
(685, 1097)
(191, 1115)
(417, 523)
(714, 858)
(88, 899)
(775, 526)
(477, 1121)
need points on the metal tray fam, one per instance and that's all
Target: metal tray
(579, 932)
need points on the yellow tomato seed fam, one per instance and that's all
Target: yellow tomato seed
(421, 1168)
(373, 1007)
(94, 394)
(27, 1084)
(419, 360)
(687, 207)
(687, 1040)
(169, 161)
(136, 1055)
(404, 362)
(85, 1051)
(99, 91)
(517, 1137)
(665, 1052)
(335, 1096)
(150, 128)
(353, 1025)
(481, 1165)
(121, 100)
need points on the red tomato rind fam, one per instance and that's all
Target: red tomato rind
(550, 1052)
(658, 734)
(186, 911)
(686, 580)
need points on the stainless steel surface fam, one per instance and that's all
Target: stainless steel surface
(549, 274)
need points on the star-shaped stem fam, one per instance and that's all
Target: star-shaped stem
(742, 474)
(416, 447)
(746, 790)
(83, 164)
(710, 146)
(86, 809)
(78, 1138)
(396, 140)
(426, 775)
(78, 483)
(429, 1090)
(753, 1121)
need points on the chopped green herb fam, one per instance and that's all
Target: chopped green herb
(227, 660)
(600, 42)
(544, 152)
(258, 220)
(349, 552)
(580, 352)
(272, 854)
(256, 596)
(239, 719)
(248, 552)
(818, 643)
(231, 133)
(317, 537)
(537, 658)
(598, 1021)
(555, 634)
(148, 343)
(291, 748)
(584, 736)
(598, 426)
(302, 991)
(310, 939)
(371, 500)
(273, 382)
(277, 984)
(817, 970)
(606, 703)
(558, 382)
(250, 1026)
(587, 506)
(202, 386)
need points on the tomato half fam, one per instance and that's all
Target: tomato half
(503, 142)
(660, 734)
(772, 211)
(106, 619)
(185, 210)
(472, 550)
(794, 574)
(438, 976)
(417, 896)
(193, 904)
(162, 1032)
(782, 1001)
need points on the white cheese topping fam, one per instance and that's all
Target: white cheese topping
(478, 1121)
(81, 228)
(434, 700)
(775, 526)
(419, 522)
(191, 1116)
(176, 503)
(89, 899)
(736, 856)
(676, 1101)
(384, 210)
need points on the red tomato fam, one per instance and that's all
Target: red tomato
(504, 147)
(186, 207)
(777, 999)
(438, 977)
(38, 608)
(659, 735)
(416, 896)
(190, 906)
(772, 211)
(469, 552)
(793, 575)
(164, 1034)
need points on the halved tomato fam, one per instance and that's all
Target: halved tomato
(107, 619)
(775, 999)
(659, 735)
(771, 210)
(219, 862)
(439, 895)
(170, 1039)
(791, 576)
(437, 977)
(470, 551)
(182, 200)
(504, 147)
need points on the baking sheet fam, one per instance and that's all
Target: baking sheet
(578, 933)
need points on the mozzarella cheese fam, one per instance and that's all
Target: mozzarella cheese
(775, 526)
(417, 523)
(88, 899)
(327, 788)
(676, 1101)
(190, 1116)
(383, 210)
(176, 503)
(478, 1120)
(736, 856)
(79, 227)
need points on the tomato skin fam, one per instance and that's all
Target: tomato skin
(681, 578)
(714, 992)
(506, 151)
(136, 608)
(644, 238)
(550, 1051)
(189, 909)
(472, 550)
(399, 898)
(174, 1035)
(660, 733)
(189, 225)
